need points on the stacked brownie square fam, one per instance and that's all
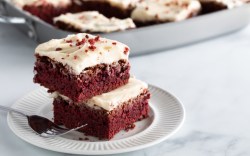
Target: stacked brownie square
(90, 82)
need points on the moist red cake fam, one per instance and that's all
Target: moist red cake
(109, 8)
(81, 66)
(47, 10)
(106, 114)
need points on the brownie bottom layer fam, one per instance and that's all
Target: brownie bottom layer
(101, 124)
(91, 82)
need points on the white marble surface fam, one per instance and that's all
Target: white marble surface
(211, 78)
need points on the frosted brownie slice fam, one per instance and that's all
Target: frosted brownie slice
(92, 21)
(45, 9)
(105, 114)
(209, 6)
(81, 66)
(160, 11)
(109, 8)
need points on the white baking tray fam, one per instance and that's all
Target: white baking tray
(148, 39)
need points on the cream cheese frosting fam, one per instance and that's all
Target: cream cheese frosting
(93, 21)
(228, 3)
(165, 10)
(21, 3)
(114, 98)
(82, 50)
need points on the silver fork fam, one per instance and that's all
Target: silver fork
(43, 126)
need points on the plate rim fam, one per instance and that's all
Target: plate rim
(106, 152)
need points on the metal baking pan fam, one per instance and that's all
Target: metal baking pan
(146, 39)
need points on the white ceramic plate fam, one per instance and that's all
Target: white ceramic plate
(166, 117)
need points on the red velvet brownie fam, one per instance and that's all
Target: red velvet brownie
(150, 12)
(45, 9)
(92, 21)
(110, 8)
(209, 6)
(105, 114)
(81, 66)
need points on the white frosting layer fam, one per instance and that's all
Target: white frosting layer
(83, 50)
(93, 21)
(56, 3)
(114, 98)
(228, 3)
(165, 10)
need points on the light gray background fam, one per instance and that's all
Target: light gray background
(211, 78)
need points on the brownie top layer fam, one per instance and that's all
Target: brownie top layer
(228, 3)
(165, 10)
(82, 50)
(93, 21)
(56, 3)
(114, 98)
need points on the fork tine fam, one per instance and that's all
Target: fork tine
(58, 132)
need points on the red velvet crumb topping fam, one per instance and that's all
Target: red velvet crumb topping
(92, 47)
(91, 41)
(58, 49)
(80, 42)
(97, 38)
(126, 49)
(68, 41)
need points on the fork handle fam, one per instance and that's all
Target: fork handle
(8, 109)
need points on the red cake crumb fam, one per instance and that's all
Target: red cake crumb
(81, 42)
(69, 41)
(58, 49)
(130, 127)
(92, 47)
(86, 139)
(126, 50)
(97, 38)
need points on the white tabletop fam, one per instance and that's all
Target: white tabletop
(211, 78)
